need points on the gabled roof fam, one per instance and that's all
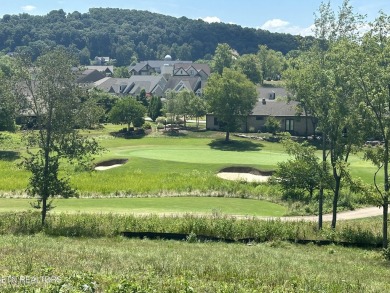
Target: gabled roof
(101, 68)
(156, 64)
(147, 82)
(197, 66)
(90, 76)
(264, 92)
(132, 85)
(138, 67)
(180, 70)
(275, 108)
(110, 84)
(190, 82)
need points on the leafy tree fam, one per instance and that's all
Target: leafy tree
(231, 97)
(198, 108)
(303, 172)
(8, 102)
(121, 72)
(84, 56)
(104, 100)
(271, 62)
(170, 106)
(249, 65)
(371, 68)
(183, 104)
(223, 58)
(51, 96)
(90, 114)
(338, 116)
(155, 107)
(272, 124)
(142, 98)
(127, 111)
(320, 81)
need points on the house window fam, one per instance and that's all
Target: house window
(289, 125)
(259, 118)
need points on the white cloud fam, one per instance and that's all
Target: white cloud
(28, 8)
(282, 26)
(211, 19)
(275, 24)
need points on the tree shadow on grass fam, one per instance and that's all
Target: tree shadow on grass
(9, 155)
(128, 135)
(175, 132)
(235, 145)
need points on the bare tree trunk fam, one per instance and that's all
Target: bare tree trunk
(335, 201)
(227, 135)
(321, 196)
(320, 207)
(44, 210)
(385, 220)
(386, 194)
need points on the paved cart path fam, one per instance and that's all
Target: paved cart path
(348, 215)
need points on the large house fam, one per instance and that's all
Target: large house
(153, 67)
(108, 70)
(153, 85)
(87, 77)
(169, 67)
(292, 118)
(190, 83)
(154, 76)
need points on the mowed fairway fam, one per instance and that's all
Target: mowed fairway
(168, 205)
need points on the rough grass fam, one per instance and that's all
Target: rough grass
(122, 265)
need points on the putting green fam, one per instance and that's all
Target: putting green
(204, 155)
(203, 205)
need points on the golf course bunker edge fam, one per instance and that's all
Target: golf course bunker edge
(109, 164)
(248, 174)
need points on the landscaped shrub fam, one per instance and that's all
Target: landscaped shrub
(147, 125)
(161, 120)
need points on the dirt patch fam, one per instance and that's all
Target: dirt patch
(105, 165)
(248, 174)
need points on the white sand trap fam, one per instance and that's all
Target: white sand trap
(110, 164)
(102, 168)
(243, 177)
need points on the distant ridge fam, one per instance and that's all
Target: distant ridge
(124, 35)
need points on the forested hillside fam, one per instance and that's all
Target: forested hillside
(131, 34)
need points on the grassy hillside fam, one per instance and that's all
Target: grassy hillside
(123, 265)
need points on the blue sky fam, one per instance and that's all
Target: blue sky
(290, 16)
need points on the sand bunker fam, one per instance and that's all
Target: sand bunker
(244, 174)
(110, 164)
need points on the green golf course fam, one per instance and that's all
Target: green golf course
(168, 205)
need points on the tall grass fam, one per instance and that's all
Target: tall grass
(111, 225)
